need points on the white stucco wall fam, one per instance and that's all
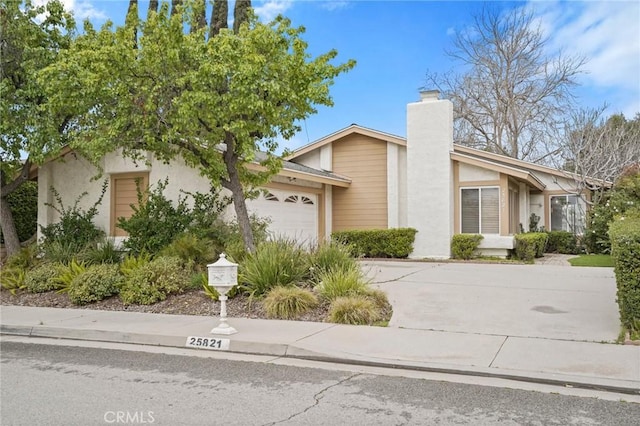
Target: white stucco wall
(469, 173)
(536, 205)
(393, 190)
(430, 175)
(402, 187)
(310, 159)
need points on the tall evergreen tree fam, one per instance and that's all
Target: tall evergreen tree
(240, 13)
(132, 13)
(153, 6)
(199, 15)
(174, 6)
(219, 17)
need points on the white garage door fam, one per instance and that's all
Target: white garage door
(293, 214)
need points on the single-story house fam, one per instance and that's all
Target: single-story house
(360, 178)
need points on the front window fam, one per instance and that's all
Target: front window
(480, 210)
(567, 214)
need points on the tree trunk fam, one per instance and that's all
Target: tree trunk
(174, 6)
(200, 15)
(218, 17)
(235, 186)
(9, 232)
(8, 226)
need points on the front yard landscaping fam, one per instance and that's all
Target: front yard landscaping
(595, 260)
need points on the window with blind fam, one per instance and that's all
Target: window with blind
(480, 210)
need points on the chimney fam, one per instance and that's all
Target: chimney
(429, 95)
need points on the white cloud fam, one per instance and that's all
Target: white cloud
(334, 5)
(82, 9)
(607, 34)
(269, 9)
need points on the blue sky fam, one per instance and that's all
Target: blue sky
(396, 42)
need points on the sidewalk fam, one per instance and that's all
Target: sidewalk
(591, 365)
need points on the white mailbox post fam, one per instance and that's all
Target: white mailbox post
(223, 275)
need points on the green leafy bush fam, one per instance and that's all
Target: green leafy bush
(530, 245)
(394, 243)
(328, 255)
(341, 281)
(25, 258)
(42, 278)
(155, 221)
(227, 237)
(356, 309)
(562, 242)
(464, 246)
(131, 262)
(154, 281)
(23, 203)
(288, 302)
(76, 228)
(623, 196)
(275, 263)
(625, 249)
(97, 282)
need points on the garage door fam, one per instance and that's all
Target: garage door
(293, 214)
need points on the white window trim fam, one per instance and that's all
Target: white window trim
(479, 188)
(579, 202)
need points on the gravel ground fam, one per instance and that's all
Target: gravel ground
(193, 302)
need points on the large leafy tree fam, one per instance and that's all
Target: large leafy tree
(214, 101)
(511, 93)
(30, 39)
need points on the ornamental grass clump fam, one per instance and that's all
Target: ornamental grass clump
(330, 254)
(341, 281)
(355, 309)
(288, 302)
(275, 263)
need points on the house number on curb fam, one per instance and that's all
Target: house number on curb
(208, 343)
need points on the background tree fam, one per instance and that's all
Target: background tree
(219, 17)
(598, 149)
(511, 94)
(214, 102)
(28, 133)
(153, 6)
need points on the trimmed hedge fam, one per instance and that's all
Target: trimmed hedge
(562, 242)
(395, 243)
(625, 249)
(464, 246)
(530, 245)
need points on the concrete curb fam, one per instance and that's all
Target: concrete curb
(292, 351)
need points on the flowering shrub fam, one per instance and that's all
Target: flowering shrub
(624, 195)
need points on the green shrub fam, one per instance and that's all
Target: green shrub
(328, 255)
(530, 245)
(23, 203)
(42, 278)
(76, 228)
(356, 309)
(104, 251)
(191, 250)
(464, 246)
(12, 279)
(131, 262)
(624, 195)
(59, 251)
(227, 237)
(562, 242)
(288, 302)
(155, 221)
(25, 258)
(275, 263)
(97, 282)
(154, 281)
(625, 249)
(341, 281)
(394, 243)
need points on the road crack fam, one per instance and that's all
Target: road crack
(316, 400)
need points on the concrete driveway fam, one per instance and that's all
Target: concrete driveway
(541, 301)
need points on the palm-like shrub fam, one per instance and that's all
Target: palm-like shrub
(289, 302)
(275, 263)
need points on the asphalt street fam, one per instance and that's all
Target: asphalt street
(53, 385)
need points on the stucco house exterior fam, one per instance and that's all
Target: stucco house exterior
(360, 178)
